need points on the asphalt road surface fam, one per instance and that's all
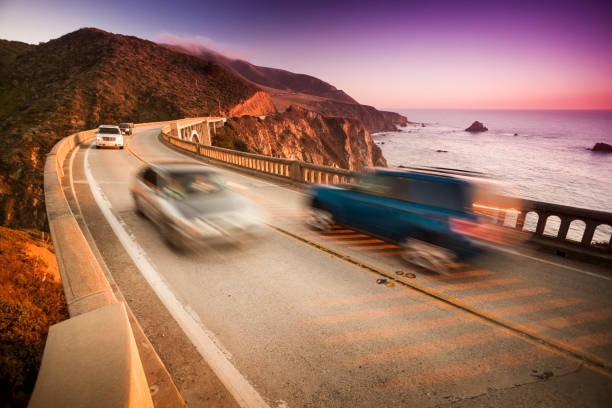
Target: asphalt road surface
(298, 319)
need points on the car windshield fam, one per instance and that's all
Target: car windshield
(189, 184)
(110, 131)
(124, 126)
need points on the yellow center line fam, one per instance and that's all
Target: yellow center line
(358, 241)
(373, 247)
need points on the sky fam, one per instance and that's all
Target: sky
(389, 54)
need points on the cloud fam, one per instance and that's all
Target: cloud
(199, 44)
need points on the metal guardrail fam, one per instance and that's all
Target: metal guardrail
(301, 172)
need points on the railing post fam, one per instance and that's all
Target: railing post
(563, 228)
(295, 171)
(587, 237)
(542, 218)
(520, 220)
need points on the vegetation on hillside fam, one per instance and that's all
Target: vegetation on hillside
(84, 79)
(31, 300)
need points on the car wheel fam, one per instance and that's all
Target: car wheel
(320, 219)
(138, 207)
(167, 234)
(427, 256)
(97, 147)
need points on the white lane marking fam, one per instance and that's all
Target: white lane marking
(237, 385)
(571, 268)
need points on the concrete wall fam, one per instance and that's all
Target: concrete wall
(91, 359)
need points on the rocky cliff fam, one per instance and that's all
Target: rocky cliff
(89, 77)
(303, 135)
(258, 104)
(372, 118)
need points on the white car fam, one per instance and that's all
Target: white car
(109, 136)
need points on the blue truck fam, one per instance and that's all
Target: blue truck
(430, 212)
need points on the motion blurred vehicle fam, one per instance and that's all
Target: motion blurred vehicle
(192, 206)
(437, 215)
(126, 128)
(109, 136)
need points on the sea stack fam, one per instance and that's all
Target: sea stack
(602, 148)
(477, 127)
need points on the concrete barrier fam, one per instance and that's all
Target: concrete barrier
(91, 359)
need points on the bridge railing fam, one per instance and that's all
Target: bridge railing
(596, 223)
(581, 227)
(294, 170)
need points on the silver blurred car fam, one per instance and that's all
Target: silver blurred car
(191, 205)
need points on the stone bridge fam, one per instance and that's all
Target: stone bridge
(197, 130)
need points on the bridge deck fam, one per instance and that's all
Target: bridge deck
(300, 315)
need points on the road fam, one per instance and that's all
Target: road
(298, 319)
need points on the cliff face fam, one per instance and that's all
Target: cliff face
(91, 77)
(372, 118)
(303, 135)
(255, 105)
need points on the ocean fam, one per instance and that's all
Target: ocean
(540, 155)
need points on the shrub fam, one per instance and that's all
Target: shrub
(30, 302)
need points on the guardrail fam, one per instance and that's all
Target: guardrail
(90, 359)
(546, 229)
(572, 226)
(294, 170)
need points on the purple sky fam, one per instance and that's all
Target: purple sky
(399, 54)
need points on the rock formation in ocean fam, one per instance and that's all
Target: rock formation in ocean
(304, 135)
(602, 148)
(477, 127)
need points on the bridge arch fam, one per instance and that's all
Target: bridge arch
(602, 236)
(551, 228)
(195, 137)
(576, 230)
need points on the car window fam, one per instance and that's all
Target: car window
(150, 177)
(110, 131)
(448, 195)
(187, 184)
(371, 184)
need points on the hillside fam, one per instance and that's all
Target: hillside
(303, 135)
(278, 79)
(288, 88)
(31, 300)
(89, 77)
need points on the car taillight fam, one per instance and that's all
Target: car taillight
(463, 226)
(477, 230)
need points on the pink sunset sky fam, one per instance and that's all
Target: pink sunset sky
(390, 54)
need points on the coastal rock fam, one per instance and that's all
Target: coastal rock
(304, 135)
(477, 127)
(602, 148)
